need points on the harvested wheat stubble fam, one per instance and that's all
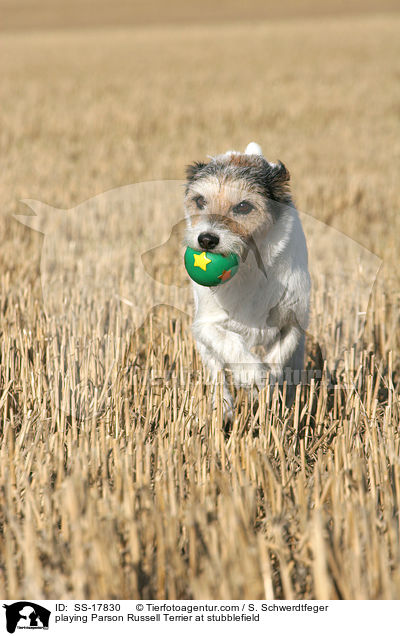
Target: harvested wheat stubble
(150, 496)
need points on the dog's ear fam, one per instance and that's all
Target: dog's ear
(194, 169)
(280, 174)
(278, 181)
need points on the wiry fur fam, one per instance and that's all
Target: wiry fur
(267, 303)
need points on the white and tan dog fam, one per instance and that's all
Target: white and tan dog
(239, 202)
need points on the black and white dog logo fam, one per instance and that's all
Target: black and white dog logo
(26, 615)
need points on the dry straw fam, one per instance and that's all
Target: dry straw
(152, 495)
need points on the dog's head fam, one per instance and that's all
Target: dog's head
(231, 198)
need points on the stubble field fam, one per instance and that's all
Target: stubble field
(118, 479)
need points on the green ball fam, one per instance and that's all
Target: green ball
(209, 269)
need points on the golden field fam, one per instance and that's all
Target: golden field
(151, 494)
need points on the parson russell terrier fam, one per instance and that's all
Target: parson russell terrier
(241, 203)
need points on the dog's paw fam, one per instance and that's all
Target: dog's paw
(227, 401)
(250, 375)
(228, 411)
(274, 374)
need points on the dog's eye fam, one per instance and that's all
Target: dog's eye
(244, 207)
(200, 202)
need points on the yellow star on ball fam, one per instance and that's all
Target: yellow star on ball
(201, 261)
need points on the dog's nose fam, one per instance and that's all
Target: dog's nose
(208, 241)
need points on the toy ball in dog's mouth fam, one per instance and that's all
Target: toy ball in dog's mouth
(209, 269)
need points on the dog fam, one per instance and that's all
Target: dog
(241, 203)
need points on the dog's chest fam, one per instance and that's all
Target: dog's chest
(247, 304)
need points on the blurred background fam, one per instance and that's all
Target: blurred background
(29, 14)
(96, 94)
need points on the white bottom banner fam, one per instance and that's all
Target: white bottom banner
(171, 617)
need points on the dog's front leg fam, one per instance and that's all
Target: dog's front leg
(215, 368)
(287, 354)
(229, 348)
